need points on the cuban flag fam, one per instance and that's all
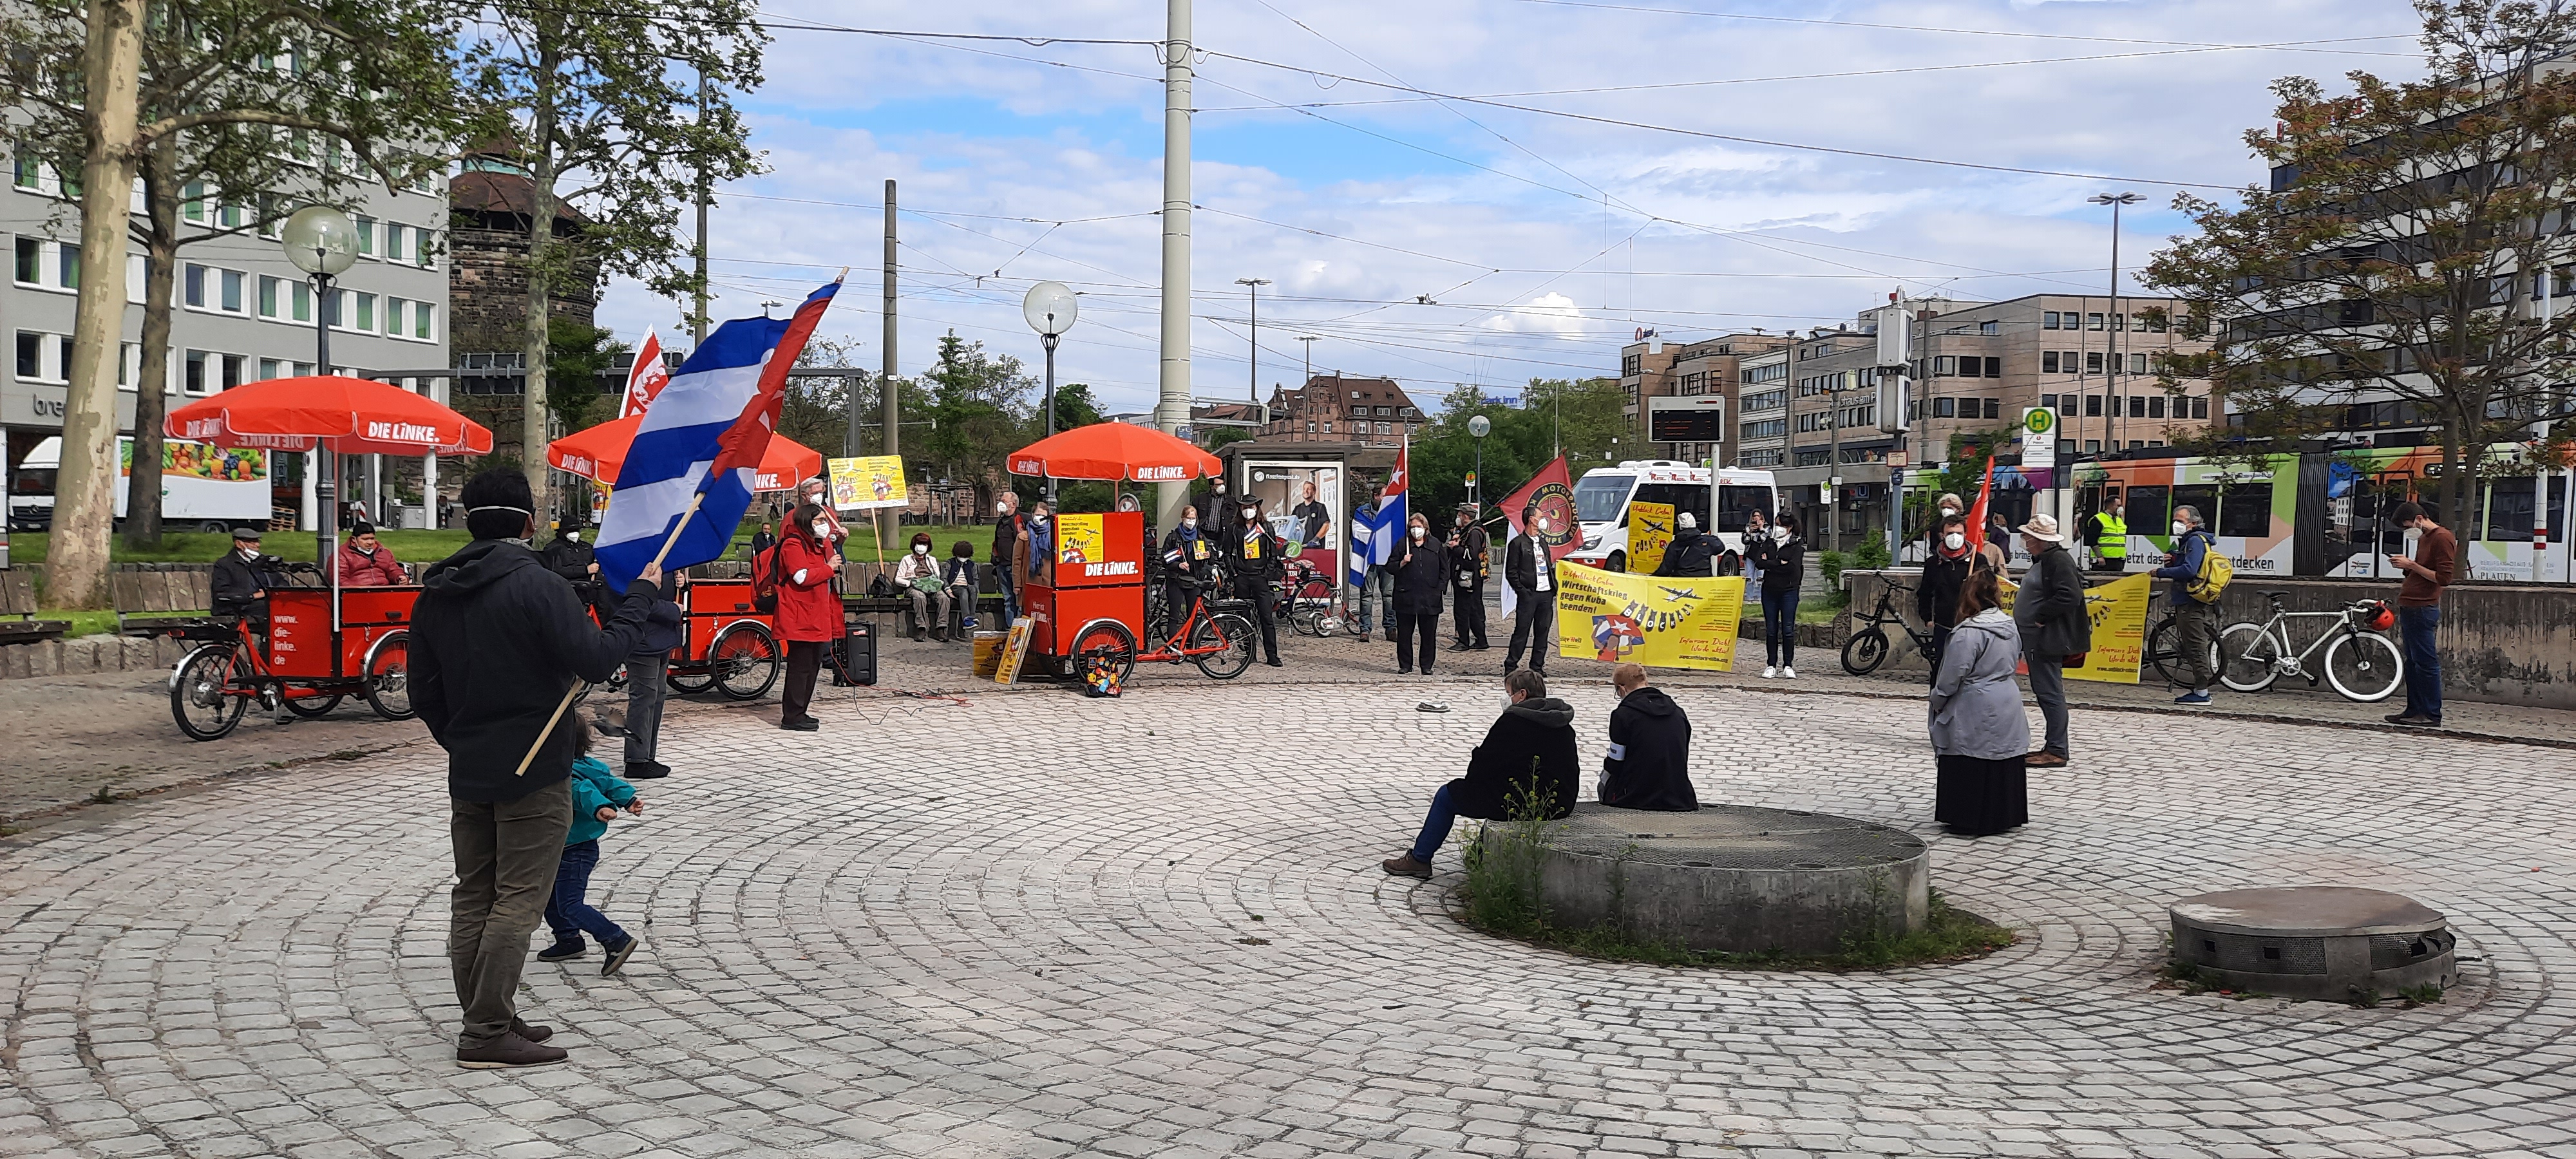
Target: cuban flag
(702, 440)
(1374, 536)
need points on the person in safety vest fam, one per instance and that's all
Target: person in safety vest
(2109, 537)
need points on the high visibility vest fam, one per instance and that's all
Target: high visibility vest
(2114, 542)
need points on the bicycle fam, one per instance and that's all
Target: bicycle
(1867, 648)
(2164, 648)
(214, 685)
(1216, 636)
(2360, 661)
(1308, 601)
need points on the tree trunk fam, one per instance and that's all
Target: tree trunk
(541, 239)
(85, 495)
(151, 400)
(2457, 486)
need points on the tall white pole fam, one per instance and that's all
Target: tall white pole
(1173, 411)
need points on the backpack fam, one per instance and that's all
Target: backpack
(2215, 572)
(764, 581)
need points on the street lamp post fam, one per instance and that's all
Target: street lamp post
(2110, 337)
(322, 242)
(1051, 310)
(1479, 426)
(1253, 287)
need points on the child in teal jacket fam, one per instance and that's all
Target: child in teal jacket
(597, 795)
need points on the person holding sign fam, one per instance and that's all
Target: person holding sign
(1255, 554)
(809, 615)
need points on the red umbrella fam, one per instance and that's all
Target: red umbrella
(1115, 451)
(597, 452)
(352, 416)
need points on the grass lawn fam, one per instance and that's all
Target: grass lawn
(29, 547)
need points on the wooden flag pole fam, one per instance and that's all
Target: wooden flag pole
(575, 687)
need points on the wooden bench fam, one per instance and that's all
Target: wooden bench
(855, 578)
(18, 598)
(149, 603)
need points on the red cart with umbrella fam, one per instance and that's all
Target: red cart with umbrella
(323, 643)
(729, 645)
(1085, 593)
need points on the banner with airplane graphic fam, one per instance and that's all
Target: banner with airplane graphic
(1660, 622)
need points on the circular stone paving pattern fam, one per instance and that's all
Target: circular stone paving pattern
(1041, 925)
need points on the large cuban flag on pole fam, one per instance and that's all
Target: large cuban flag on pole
(1374, 536)
(698, 450)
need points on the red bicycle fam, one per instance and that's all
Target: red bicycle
(308, 665)
(1216, 636)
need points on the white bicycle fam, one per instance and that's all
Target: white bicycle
(2360, 661)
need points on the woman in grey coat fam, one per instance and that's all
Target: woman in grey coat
(1980, 735)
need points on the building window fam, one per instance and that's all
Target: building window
(2066, 362)
(2137, 406)
(1990, 327)
(267, 369)
(192, 201)
(2092, 406)
(70, 266)
(420, 240)
(366, 237)
(2155, 406)
(2137, 364)
(1994, 408)
(303, 299)
(267, 298)
(2048, 320)
(195, 380)
(2092, 362)
(1943, 408)
(1945, 366)
(395, 249)
(2092, 321)
(2048, 362)
(31, 355)
(31, 261)
(422, 325)
(193, 286)
(232, 285)
(2200, 406)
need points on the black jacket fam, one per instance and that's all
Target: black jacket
(1687, 555)
(496, 639)
(1534, 738)
(1176, 551)
(1467, 560)
(1249, 573)
(1652, 736)
(1784, 565)
(1421, 570)
(234, 580)
(2050, 608)
(568, 558)
(1520, 566)
(1936, 599)
(1006, 539)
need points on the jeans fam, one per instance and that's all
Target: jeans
(1940, 644)
(1380, 589)
(2048, 687)
(2417, 628)
(1435, 826)
(1407, 626)
(1010, 598)
(567, 912)
(2196, 634)
(506, 856)
(1780, 628)
(646, 689)
(804, 662)
(1534, 625)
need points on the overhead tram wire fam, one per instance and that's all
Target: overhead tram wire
(2293, 45)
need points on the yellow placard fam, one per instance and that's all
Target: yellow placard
(869, 481)
(1650, 531)
(1660, 623)
(2119, 610)
(1015, 651)
(1078, 538)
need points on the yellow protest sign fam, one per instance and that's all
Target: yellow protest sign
(1660, 623)
(868, 481)
(1078, 539)
(2119, 611)
(1650, 531)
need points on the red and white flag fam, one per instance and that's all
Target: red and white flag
(646, 378)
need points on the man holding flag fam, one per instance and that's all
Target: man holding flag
(1542, 532)
(1374, 531)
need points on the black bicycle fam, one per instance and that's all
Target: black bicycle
(2164, 647)
(1867, 648)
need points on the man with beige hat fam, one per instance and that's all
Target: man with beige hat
(2055, 627)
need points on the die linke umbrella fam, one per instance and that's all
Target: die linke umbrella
(1112, 452)
(597, 452)
(352, 416)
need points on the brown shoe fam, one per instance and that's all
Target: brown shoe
(1403, 865)
(2043, 760)
(509, 1052)
(533, 1032)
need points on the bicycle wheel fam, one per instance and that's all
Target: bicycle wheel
(312, 707)
(1865, 651)
(744, 662)
(2364, 666)
(201, 696)
(691, 683)
(2164, 650)
(1104, 641)
(1232, 636)
(388, 686)
(2248, 658)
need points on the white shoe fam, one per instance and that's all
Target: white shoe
(1788, 673)
(1770, 671)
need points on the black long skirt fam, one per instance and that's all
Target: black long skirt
(1980, 797)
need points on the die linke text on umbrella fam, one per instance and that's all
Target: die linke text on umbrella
(403, 433)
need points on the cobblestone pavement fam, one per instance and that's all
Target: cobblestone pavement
(1034, 924)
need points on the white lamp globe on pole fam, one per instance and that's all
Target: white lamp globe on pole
(322, 242)
(1051, 310)
(1479, 426)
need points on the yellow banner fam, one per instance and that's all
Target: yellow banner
(1650, 531)
(2119, 610)
(867, 482)
(1660, 623)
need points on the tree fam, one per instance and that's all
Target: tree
(980, 409)
(221, 73)
(1074, 407)
(1523, 440)
(621, 114)
(2410, 253)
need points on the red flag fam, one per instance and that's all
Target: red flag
(1552, 492)
(1977, 510)
(646, 378)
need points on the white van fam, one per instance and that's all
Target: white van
(203, 488)
(1602, 496)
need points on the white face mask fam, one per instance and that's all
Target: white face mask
(1954, 541)
(1192, 522)
(2180, 527)
(1251, 513)
(1948, 511)
(572, 537)
(921, 549)
(1001, 509)
(822, 530)
(1418, 533)
(1779, 535)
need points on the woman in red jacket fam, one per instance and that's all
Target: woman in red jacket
(809, 615)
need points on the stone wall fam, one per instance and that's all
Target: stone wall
(90, 654)
(2500, 643)
(487, 290)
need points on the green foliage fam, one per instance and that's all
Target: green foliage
(1521, 442)
(582, 357)
(1503, 865)
(1872, 556)
(1830, 564)
(1084, 497)
(980, 405)
(1074, 406)
(1220, 436)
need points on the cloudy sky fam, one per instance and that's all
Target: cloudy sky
(1543, 235)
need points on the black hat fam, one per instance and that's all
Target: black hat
(247, 531)
(358, 527)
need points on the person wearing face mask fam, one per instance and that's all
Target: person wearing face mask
(1945, 575)
(1782, 556)
(1189, 562)
(1943, 508)
(960, 579)
(1033, 556)
(918, 576)
(765, 538)
(1996, 554)
(1757, 529)
(1006, 546)
(1532, 574)
(816, 493)
(2195, 623)
(809, 615)
(1467, 555)
(1254, 556)
(2107, 533)
(1421, 571)
(366, 563)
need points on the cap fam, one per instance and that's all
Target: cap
(246, 531)
(2042, 528)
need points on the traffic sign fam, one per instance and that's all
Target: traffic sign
(2039, 437)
